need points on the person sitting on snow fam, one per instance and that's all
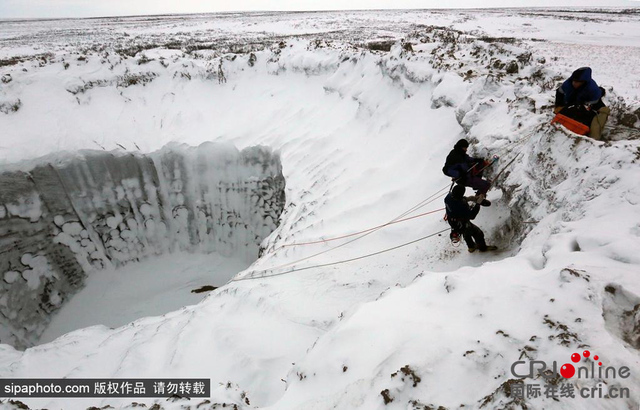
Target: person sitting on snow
(459, 216)
(467, 171)
(580, 99)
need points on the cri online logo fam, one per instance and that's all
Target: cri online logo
(568, 370)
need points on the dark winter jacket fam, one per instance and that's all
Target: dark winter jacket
(458, 163)
(587, 94)
(458, 209)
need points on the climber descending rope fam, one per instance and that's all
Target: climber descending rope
(465, 170)
(398, 219)
(459, 216)
(460, 166)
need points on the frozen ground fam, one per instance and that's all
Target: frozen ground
(362, 108)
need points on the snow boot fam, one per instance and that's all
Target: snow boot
(480, 199)
(472, 250)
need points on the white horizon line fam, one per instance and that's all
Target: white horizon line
(126, 15)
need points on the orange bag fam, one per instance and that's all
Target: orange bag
(571, 124)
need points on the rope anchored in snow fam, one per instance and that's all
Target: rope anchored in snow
(493, 181)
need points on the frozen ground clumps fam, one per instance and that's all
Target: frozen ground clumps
(67, 216)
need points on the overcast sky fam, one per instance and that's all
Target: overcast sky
(96, 8)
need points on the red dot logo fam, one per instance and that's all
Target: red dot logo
(600, 364)
(575, 357)
(586, 353)
(567, 370)
(595, 357)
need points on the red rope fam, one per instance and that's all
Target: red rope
(360, 232)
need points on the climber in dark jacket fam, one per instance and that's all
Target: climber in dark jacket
(459, 216)
(467, 171)
(580, 98)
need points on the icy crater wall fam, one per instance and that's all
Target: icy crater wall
(62, 219)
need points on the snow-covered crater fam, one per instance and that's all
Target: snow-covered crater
(65, 217)
(362, 130)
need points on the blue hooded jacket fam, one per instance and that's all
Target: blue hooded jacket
(588, 93)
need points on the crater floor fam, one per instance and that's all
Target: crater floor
(115, 297)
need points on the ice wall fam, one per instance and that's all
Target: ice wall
(63, 218)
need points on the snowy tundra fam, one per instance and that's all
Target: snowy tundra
(361, 108)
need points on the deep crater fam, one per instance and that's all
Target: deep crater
(68, 218)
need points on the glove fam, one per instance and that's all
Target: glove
(479, 165)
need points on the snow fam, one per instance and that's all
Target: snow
(116, 297)
(362, 136)
(26, 207)
(39, 268)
